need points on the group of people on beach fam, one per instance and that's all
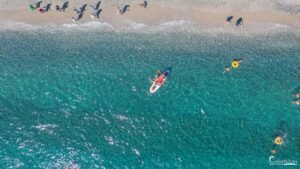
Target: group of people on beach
(96, 10)
(47, 7)
(37, 6)
(238, 23)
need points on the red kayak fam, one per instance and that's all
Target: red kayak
(158, 82)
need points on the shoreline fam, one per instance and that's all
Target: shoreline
(153, 15)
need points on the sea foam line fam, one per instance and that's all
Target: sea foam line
(170, 26)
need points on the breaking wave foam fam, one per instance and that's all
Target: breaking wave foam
(170, 26)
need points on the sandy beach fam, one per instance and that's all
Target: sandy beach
(156, 13)
(168, 86)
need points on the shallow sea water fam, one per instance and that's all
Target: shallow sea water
(81, 99)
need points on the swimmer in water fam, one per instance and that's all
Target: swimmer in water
(96, 10)
(296, 96)
(297, 102)
(227, 69)
(238, 60)
(63, 8)
(279, 137)
(278, 141)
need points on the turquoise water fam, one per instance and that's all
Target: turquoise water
(80, 99)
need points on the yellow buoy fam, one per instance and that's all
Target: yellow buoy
(278, 140)
(235, 64)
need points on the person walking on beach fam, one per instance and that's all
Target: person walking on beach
(81, 9)
(96, 10)
(63, 8)
(239, 22)
(122, 11)
(79, 13)
(144, 4)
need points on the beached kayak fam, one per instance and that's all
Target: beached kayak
(158, 82)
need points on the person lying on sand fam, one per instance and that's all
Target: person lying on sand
(144, 4)
(41, 10)
(122, 11)
(63, 8)
(228, 20)
(239, 22)
(58, 8)
(45, 8)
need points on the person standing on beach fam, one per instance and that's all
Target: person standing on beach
(144, 4)
(239, 22)
(63, 8)
(96, 10)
